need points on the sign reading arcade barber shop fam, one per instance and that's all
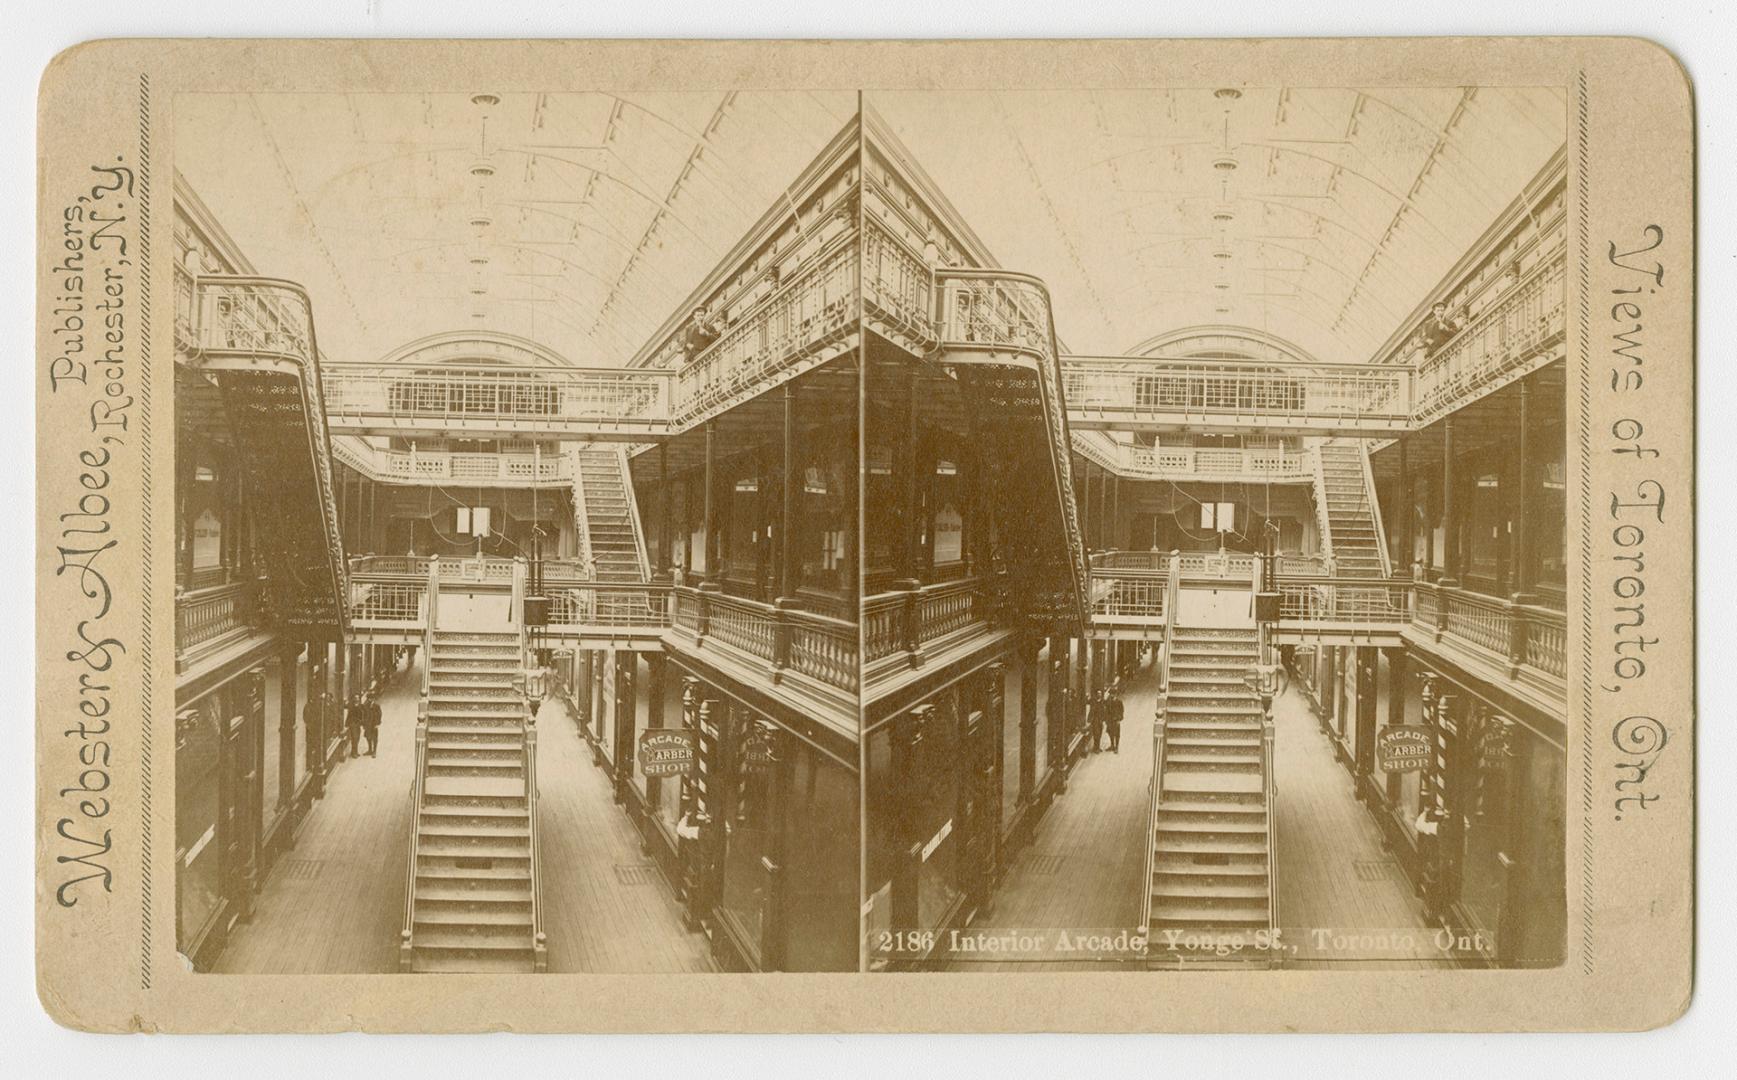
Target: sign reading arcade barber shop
(667, 752)
(1402, 749)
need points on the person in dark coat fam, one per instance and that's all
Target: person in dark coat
(353, 723)
(1113, 719)
(371, 726)
(1095, 710)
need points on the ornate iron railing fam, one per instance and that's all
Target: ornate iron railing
(241, 320)
(1209, 463)
(386, 397)
(399, 601)
(507, 469)
(815, 310)
(1502, 340)
(1000, 312)
(1117, 390)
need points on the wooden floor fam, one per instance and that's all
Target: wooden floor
(1344, 902)
(335, 904)
(608, 908)
(1083, 867)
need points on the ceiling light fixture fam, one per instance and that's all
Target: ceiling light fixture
(482, 170)
(1224, 163)
(481, 221)
(1227, 94)
(485, 100)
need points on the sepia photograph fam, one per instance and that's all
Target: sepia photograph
(1215, 529)
(516, 532)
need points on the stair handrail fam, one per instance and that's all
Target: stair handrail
(1269, 783)
(1321, 518)
(633, 513)
(418, 780)
(581, 515)
(1160, 722)
(1374, 509)
(1263, 654)
(539, 938)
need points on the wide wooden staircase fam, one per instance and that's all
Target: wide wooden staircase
(1344, 488)
(1210, 842)
(472, 902)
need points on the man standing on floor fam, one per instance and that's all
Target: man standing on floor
(1113, 718)
(1095, 713)
(353, 722)
(371, 726)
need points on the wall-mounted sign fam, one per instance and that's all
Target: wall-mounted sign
(1402, 749)
(667, 752)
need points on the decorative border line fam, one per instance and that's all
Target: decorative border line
(145, 665)
(1580, 185)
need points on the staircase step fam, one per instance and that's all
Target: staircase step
(495, 917)
(1213, 728)
(1174, 743)
(1174, 823)
(1195, 805)
(482, 937)
(477, 847)
(497, 878)
(1240, 891)
(1184, 847)
(1201, 915)
(492, 963)
(500, 769)
(448, 753)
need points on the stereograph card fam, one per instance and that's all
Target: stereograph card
(775, 536)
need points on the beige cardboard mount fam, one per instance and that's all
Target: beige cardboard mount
(106, 725)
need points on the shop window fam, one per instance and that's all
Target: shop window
(936, 789)
(820, 872)
(748, 826)
(198, 755)
(1548, 507)
(272, 748)
(1494, 752)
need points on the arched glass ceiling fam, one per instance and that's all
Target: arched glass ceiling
(580, 221)
(1322, 216)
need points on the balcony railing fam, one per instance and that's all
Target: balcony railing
(1129, 597)
(1502, 340)
(898, 287)
(378, 566)
(775, 637)
(396, 602)
(815, 310)
(1160, 391)
(1352, 603)
(1529, 642)
(905, 623)
(1211, 463)
(209, 614)
(424, 467)
(627, 606)
(384, 398)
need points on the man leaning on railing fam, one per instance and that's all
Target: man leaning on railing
(699, 336)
